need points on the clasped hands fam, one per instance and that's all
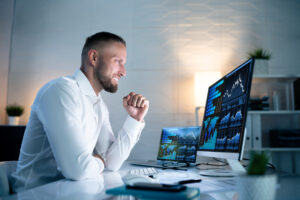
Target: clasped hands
(136, 106)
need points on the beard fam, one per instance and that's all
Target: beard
(104, 81)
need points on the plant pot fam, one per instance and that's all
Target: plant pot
(257, 186)
(13, 121)
(261, 66)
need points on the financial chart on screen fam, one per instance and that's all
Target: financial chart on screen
(179, 144)
(225, 110)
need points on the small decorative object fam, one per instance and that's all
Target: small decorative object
(261, 56)
(276, 100)
(14, 112)
(257, 184)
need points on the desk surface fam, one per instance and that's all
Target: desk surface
(95, 189)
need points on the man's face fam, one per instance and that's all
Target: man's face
(110, 67)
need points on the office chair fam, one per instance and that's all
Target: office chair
(6, 168)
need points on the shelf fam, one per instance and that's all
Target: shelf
(272, 112)
(281, 78)
(276, 76)
(283, 149)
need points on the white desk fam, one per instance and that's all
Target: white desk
(95, 189)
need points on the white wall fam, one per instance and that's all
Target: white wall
(6, 21)
(168, 41)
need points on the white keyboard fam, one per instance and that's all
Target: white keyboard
(143, 171)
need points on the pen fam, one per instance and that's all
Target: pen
(189, 181)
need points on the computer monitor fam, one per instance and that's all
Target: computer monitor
(223, 128)
(179, 144)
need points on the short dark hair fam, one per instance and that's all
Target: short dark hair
(95, 40)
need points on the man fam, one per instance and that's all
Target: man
(69, 134)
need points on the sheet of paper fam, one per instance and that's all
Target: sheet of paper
(206, 185)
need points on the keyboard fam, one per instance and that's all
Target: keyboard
(150, 171)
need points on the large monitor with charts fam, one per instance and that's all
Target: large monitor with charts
(223, 128)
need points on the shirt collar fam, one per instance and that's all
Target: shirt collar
(84, 84)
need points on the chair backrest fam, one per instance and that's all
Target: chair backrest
(6, 168)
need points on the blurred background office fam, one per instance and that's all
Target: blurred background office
(171, 44)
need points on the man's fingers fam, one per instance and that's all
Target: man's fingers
(131, 94)
(136, 105)
(125, 100)
(145, 103)
(140, 101)
(126, 97)
(135, 100)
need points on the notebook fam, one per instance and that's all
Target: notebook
(177, 148)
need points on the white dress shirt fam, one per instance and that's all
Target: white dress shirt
(67, 124)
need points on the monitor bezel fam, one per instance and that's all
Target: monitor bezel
(169, 160)
(230, 155)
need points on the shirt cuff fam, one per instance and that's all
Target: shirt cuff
(101, 164)
(133, 127)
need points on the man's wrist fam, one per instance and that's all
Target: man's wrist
(138, 119)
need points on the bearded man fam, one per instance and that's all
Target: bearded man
(69, 133)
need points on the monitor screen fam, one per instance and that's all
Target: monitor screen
(179, 144)
(225, 113)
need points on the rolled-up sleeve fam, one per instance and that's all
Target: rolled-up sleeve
(59, 111)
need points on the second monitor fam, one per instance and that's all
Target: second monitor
(179, 144)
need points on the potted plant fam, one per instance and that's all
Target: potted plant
(256, 183)
(14, 112)
(261, 56)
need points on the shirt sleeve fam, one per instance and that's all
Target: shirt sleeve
(119, 147)
(59, 111)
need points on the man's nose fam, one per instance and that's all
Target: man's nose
(123, 70)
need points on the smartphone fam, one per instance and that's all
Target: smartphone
(157, 187)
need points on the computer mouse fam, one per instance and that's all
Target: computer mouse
(134, 178)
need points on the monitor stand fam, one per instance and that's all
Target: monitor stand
(236, 169)
(175, 165)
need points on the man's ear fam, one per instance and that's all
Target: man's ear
(93, 57)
